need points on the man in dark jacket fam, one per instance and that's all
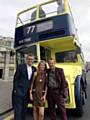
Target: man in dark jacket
(21, 86)
(56, 90)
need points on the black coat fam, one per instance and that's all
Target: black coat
(21, 83)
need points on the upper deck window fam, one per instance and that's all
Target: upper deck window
(41, 14)
(53, 8)
(41, 11)
(25, 17)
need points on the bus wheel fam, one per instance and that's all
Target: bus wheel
(79, 97)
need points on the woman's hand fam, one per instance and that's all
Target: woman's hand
(43, 98)
(31, 96)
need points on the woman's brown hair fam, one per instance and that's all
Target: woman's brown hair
(42, 62)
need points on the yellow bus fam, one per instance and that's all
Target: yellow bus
(47, 30)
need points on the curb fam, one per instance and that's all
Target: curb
(9, 117)
(5, 112)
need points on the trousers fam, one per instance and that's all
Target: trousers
(20, 108)
(55, 98)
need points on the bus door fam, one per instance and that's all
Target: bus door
(45, 53)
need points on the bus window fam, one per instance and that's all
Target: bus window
(48, 8)
(45, 53)
(68, 56)
(19, 58)
(42, 14)
(58, 6)
(32, 49)
(22, 53)
(26, 17)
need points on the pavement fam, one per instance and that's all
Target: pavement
(5, 96)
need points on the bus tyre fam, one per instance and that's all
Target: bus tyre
(79, 97)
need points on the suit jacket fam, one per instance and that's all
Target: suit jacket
(21, 83)
(60, 77)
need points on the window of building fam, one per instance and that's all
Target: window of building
(8, 43)
(2, 57)
(1, 73)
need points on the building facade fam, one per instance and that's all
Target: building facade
(6, 60)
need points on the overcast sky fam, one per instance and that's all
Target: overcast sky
(80, 10)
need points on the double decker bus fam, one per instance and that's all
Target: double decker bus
(48, 30)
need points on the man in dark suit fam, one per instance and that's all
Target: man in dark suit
(21, 86)
(57, 87)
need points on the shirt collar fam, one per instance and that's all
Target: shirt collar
(29, 66)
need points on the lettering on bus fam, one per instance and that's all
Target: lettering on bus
(21, 41)
(24, 40)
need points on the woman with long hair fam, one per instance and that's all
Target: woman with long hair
(38, 91)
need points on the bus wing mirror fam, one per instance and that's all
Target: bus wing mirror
(78, 51)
